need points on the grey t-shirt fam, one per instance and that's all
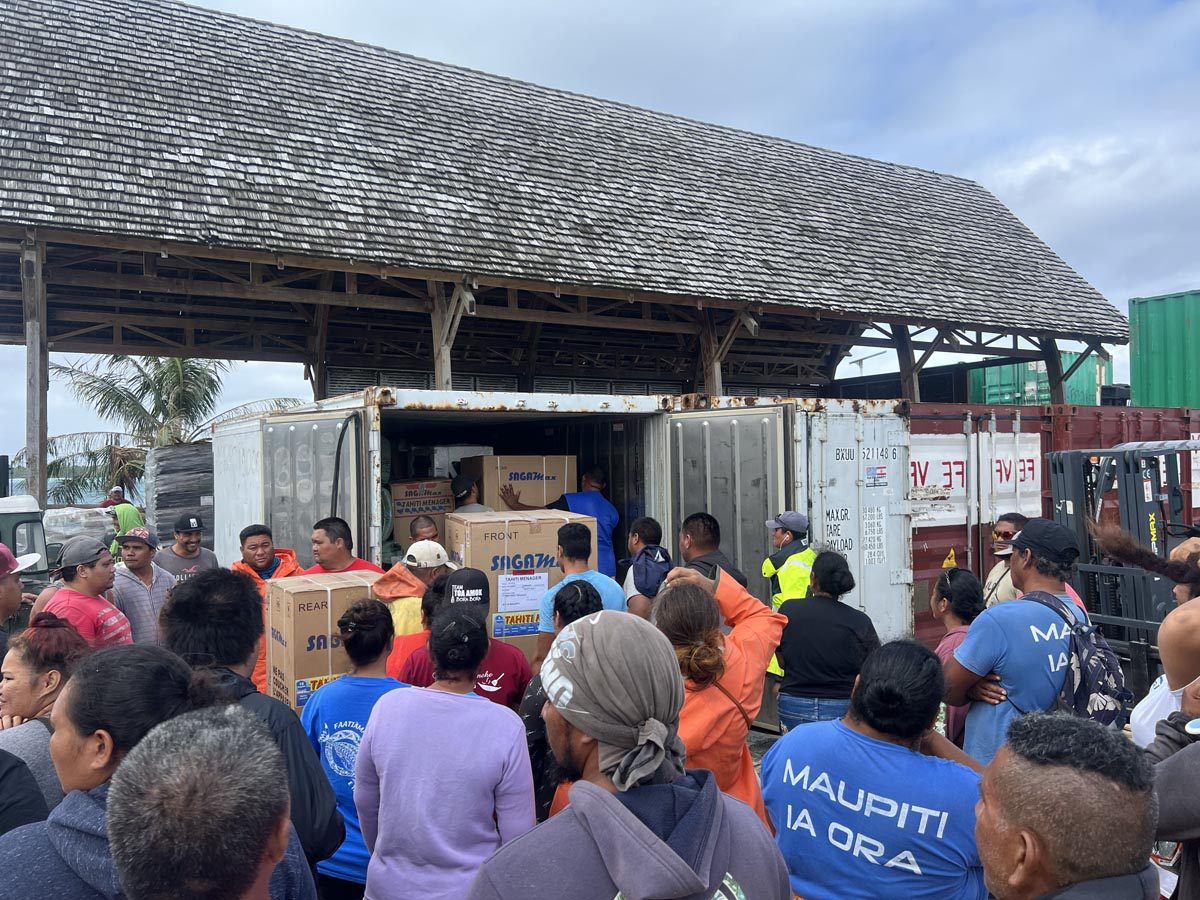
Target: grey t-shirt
(30, 741)
(183, 567)
(474, 507)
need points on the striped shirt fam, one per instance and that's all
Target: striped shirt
(142, 604)
(99, 622)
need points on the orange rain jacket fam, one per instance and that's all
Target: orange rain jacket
(711, 726)
(287, 567)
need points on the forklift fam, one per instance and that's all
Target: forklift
(1137, 486)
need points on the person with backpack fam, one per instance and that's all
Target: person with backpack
(1033, 645)
(643, 572)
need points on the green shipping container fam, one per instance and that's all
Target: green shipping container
(1026, 384)
(1164, 335)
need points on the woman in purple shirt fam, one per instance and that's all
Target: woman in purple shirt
(442, 778)
(956, 600)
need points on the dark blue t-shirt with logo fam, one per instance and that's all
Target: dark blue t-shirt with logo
(334, 719)
(860, 818)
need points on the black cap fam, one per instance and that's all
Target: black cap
(468, 586)
(461, 485)
(1048, 540)
(189, 522)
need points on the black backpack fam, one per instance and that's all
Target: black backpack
(1094, 686)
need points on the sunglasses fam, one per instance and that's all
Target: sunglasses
(998, 535)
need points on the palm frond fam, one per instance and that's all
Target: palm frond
(109, 394)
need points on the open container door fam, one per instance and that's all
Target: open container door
(733, 464)
(317, 464)
(858, 471)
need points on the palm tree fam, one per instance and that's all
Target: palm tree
(156, 401)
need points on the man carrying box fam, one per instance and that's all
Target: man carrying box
(589, 501)
(333, 549)
(262, 561)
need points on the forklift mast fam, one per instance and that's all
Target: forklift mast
(1137, 486)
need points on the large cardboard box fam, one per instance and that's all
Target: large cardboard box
(518, 553)
(422, 497)
(303, 648)
(538, 479)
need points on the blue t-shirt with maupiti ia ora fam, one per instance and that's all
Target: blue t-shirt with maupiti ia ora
(334, 719)
(1029, 646)
(860, 818)
(612, 595)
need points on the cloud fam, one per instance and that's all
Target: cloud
(1078, 114)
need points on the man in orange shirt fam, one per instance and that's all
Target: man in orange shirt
(261, 560)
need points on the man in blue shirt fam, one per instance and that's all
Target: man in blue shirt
(587, 501)
(1025, 643)
(574, 549)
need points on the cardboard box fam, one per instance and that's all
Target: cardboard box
(538, 479)
(422, 497)
(518, 553)
(303, 648)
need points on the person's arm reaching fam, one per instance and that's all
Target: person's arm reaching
(756, 630)
(935, 744)
(366, 789)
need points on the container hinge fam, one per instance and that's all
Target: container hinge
(901, 576)
(900, 508)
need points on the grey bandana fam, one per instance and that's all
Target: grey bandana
(615, 677)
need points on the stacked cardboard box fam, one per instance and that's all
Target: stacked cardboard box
(303, 648)
(518, 553)
(538, 479)
(423, 497)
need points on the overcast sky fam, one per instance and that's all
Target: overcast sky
(1081, 116)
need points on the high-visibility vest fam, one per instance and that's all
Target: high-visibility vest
(790, 578)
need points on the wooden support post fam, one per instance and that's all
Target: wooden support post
(440, 317)
(320, 350)
(1054, 370)
(910, 379)
(710, 359)
(37, 367)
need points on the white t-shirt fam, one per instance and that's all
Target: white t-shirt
(630, 590)
(1158, 703)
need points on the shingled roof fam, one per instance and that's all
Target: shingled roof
(154, 119)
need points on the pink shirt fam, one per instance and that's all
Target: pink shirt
(956, 716)
(98, 622)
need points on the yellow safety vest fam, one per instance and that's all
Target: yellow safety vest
(790, 578)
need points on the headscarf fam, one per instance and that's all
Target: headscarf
(615, 677)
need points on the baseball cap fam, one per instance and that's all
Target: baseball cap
(427, 555)
(468, 586)
(10, 563)
(116, 488)
(145, 535)
(189, 522)
(792, 521)
(461, 485)
(80, 551)
(1048, 540)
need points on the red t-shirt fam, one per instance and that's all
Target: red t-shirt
(98, 622)
(404, 647)
(502, 678)
(358, 565)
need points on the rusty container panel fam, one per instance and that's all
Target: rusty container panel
(969, 465)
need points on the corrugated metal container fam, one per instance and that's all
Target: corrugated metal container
(1163, 335)
(1027, 384)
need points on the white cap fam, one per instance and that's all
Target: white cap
(117, 488)
(427, 555)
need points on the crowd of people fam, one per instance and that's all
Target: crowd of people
(141, 756)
